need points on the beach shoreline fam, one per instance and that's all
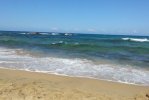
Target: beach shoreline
(64, 75)
(73, 55)
(24, 85)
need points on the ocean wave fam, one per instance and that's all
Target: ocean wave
(38, 33)
(74, 67)
(137, 39)
(23, 33)
(67, 34)
(44, 33)
(54, 33)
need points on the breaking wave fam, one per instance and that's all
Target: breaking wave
(137, 39)
(73, 67)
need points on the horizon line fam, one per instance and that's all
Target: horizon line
(100, 33)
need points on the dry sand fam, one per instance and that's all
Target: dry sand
(22, 85)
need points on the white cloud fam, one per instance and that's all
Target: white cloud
(135, 31)
(54, 28)
(91, 30)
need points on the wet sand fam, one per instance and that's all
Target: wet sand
(22, 85)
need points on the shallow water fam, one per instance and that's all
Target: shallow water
(109, 57)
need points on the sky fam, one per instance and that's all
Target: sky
(81, 16)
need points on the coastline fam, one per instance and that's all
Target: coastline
(64, 75)
(24, 85)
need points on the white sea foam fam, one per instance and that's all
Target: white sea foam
(54, 33)
(22, 33)
(67, 34)
(44, 33)
(73, 67)
(137, 39)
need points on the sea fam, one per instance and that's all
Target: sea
(118, 58)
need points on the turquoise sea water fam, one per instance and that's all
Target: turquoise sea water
(110, 57)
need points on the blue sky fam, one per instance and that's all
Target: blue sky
(87, 16)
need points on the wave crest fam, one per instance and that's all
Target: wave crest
(137, 39)
(73, 67)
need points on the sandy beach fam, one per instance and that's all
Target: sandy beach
(22, 85)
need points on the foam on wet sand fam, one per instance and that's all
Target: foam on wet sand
(22, 85)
